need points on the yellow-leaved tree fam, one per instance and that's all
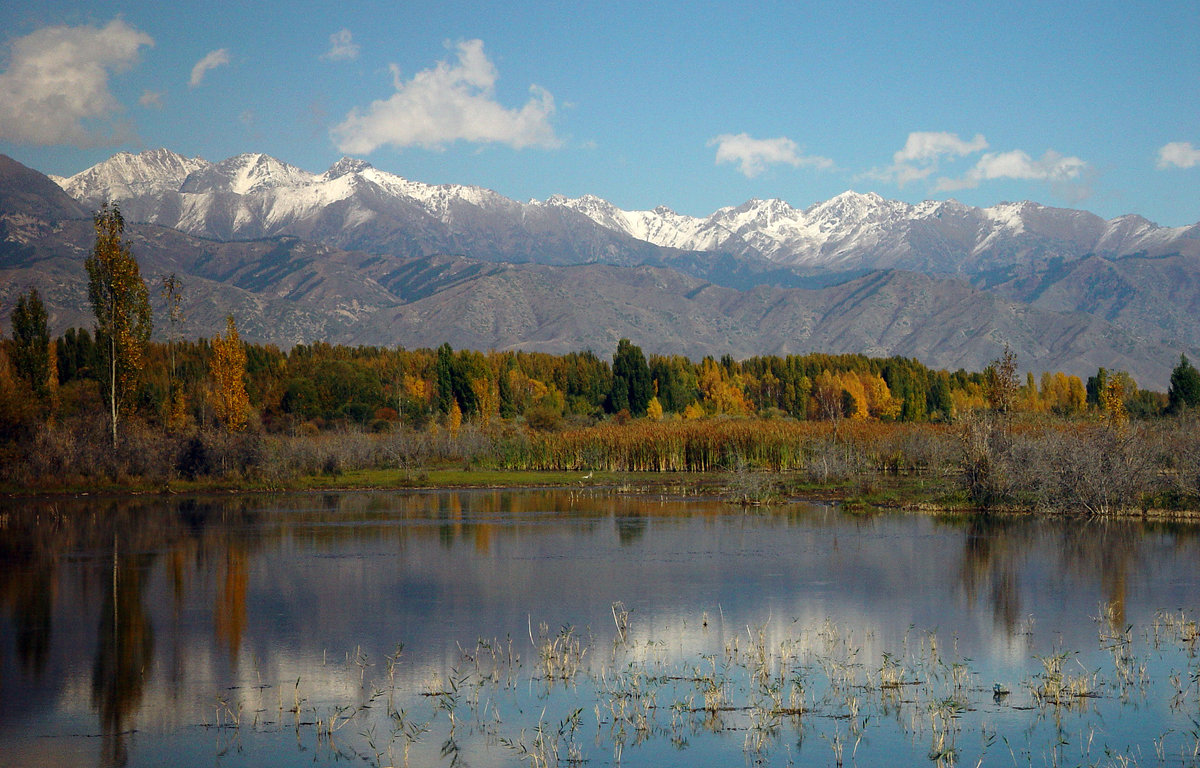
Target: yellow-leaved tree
(227, 369)
(654, 409)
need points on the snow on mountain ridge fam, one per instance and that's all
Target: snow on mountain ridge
(126, 175)
(245, 174)
(253, 195)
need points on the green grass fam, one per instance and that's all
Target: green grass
(855, 492)
(453, 478)
(902, 492)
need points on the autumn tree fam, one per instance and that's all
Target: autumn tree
(654, 409)
(1062, 394)
(227, 369)
(1000, 382)
(31, 343)
(121, 304)
(1112, 401)
(487, 397)
(721, 390)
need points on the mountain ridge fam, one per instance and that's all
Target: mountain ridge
(468, 266)
(849, 231)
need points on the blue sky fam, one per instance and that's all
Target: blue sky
(690, 105)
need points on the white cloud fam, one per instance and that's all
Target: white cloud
(341, 47)
(930, 146)
(1180, 154)
(1051, 167)
(451, 102)
(754, 155)
(57, 78)
(922, 154)
(925, 152)
(211, 60)
(151, 99)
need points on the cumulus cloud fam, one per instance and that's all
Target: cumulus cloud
(1051, 167)
(752, 155)
(451, 102)
(211, 60)
(925, 152)
(57, 78)
(922, 154)
(341, 47)
(1180, 154)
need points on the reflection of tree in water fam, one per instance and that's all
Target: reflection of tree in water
(124, 652)
(1109, 548)
(997, 551)
(27, 587)
(630, 528)
(991, 564)
(229, 613)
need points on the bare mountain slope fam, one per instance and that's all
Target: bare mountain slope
(286, 289)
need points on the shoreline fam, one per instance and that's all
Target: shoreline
(883, 491)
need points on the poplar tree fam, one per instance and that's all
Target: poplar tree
(632, 386)
(227, 368)
(121, 304)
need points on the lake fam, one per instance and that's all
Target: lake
(588, 627)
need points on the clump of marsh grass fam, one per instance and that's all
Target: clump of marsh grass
(560, 656)
(1056, 687)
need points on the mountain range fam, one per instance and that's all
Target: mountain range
(360, 255)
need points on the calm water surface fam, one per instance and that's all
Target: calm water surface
(497, 628)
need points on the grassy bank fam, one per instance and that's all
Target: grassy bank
(983, 462)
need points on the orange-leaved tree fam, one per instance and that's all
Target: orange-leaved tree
(227, 368)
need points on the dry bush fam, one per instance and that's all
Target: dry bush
(1180, 445)
(918, 448)
(988, 467)
(827, 459)
(1091, 468)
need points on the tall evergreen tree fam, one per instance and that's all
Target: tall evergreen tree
(121, 304)
(31, 343)
(445, 377)
(1184, 391)
(632, 386)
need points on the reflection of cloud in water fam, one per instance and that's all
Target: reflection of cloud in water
(239, 597)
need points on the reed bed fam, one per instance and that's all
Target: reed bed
(768, 689)
(775, 445)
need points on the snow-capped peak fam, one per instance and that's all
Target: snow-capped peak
(346, 166)
(1010, 216)
(126, 175)
(246, 173)
(850, 206)
(255, 194)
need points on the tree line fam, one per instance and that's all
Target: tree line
(181, 386)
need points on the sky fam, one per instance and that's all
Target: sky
(691, 105)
